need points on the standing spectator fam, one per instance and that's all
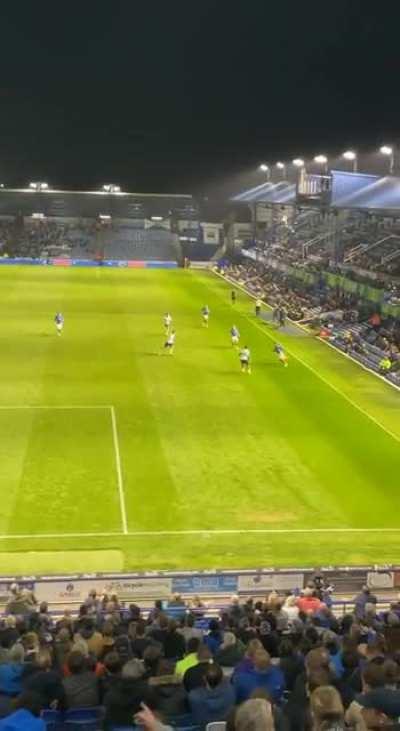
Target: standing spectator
(168, 692)
(26, 716)
(125, 697)
(363, 598)
(309, 602)
(214, 700)
(230, 652)
(81, 686)
(190, 658)
(139, 640)
(264, 675)
(327, 710)
(46, 682)
(194, 676)
(214, 637)
(174, 643)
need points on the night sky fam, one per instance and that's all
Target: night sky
(176, 96)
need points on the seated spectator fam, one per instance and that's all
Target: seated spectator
(247, 662)
(125, 697)
(214, 700)
(81, 686)
(327, 710)
(168, 693)
(46, 682)
(264, 675)
(151, 656)
(26, 716)
(194, 676)
(230, 652)
(190, 658)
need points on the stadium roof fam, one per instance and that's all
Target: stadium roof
(282, 192)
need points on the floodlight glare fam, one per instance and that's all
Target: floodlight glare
(349, 155)
(280, 165)
(386, 150)
(321, 159)
(298, 162)
(264, 167)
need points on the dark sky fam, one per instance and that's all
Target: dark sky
(172, 95)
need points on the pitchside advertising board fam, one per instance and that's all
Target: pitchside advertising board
(346, 580)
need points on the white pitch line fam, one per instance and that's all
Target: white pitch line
(119, 471)
(40, 406)
(310, 368)
(195, 532)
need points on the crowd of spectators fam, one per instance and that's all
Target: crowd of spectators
(285, 663)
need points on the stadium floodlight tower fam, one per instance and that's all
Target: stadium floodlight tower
(39, 186)
(389, 152)
(111, 188)
(322, 160)
(281, 166)
(265, 169)
(352, 157)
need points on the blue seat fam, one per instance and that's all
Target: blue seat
(52, 719)
(83, 719)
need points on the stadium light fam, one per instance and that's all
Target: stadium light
(281, 166)
(265, 169)
(298, 162)
(39, 186)
(352, 156)
(322, 160)
(111, 188)
(389, 152)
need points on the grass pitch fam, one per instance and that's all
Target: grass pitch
(108, 444)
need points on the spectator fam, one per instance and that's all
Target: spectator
(92, 636)
(26, 716)
(22, 602)
(169, 696)
(290, 608)
(190, 658)
(309, 602)
(247, 662)
(125, 697)
(291, 662)
(11, 672)
(62, 647)
(264, 675)
(188, 629)
(230, 652)
(327, 710)
(81, 686)
(194, 676)
(45, 682)
(214, 700)
(9, 633)
(112, 672)
(254, 715)
(365, 597)
(139, 641)
(174, 643)
(214, 637)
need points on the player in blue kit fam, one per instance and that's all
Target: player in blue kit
(279, 350)
(205, 313)
(59, 320)
(235, 336)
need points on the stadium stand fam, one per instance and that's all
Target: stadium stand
(193, 666)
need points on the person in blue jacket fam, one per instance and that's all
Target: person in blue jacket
(26, 716)
(263, 676)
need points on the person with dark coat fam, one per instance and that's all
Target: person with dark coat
(215, 700)
(46, 682)
(81, 686)
(168, 693)
(174, 643)
(125, 697)
(194, 676)
(230, 652)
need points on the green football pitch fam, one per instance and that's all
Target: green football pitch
(114, 455)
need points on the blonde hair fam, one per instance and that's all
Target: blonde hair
(326, 707)
(254, 715)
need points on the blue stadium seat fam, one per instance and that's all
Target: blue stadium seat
(83, 719)
(53, 720)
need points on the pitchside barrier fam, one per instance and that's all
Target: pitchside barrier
(64, 262)
(216, 585)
